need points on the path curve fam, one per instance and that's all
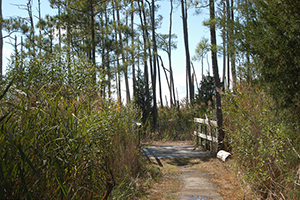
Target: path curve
(196, 183)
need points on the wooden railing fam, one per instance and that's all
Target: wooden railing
(207, 133)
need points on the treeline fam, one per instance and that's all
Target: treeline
(118, 40)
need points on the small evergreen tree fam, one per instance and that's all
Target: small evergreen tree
(205, 94)
(140, 98)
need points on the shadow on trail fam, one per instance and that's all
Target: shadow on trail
(180, 162)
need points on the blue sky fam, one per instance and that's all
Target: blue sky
(196, 31)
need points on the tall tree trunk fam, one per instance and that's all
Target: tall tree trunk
(159, 84)
(154, 65)
(216, 71)
(17, 58)
(224, 46)
(228, 43)
(40, 31)
(118, 73)
(69, 41)
(123, 56)
(1, 43)
(108, 69)
(105, 54)
(194, 77)
(148, 41)
(190, 87)
(59, 37)
(146, 75)
(249, 74)
(132, 51)
(93, 42)
(105, 69)
(22, 61)
(232, 58)
(172, 89)
(29, 10)
(162, 64)
(202, 66)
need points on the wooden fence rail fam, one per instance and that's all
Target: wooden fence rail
(207, 133)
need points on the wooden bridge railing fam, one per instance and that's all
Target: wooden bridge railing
(207, 133)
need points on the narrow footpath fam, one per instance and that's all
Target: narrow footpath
(192, 174)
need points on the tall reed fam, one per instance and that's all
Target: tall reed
(55, 146)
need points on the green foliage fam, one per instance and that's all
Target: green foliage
(206, 91)
(258, 139)
(140, 97)
(163, 42)
(204, 99)
(202, 49)
(269, 32)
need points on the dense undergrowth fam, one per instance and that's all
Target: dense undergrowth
(264, 141)
(54, 146)
(175, 123)
(62, 141)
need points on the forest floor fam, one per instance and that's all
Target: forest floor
(197, 175)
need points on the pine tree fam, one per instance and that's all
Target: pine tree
(216, 70)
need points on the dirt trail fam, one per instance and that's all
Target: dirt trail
(190, 174)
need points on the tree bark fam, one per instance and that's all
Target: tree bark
(107, 64)
(30, 15)
(123, 56)
(147, 44)
(159, 83)
(146, 75)
(224, 46)
(154, 65)
(194, 77)
(232, 57)
(132, 50)
(172, 89)
(216, 71)
(1, 43)
(228, 45)
(93, 42)
(162, 64)
(118, 73)
(189, 83)
(68, 42)
(40, 31)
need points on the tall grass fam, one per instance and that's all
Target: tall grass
(177, 123)
(57, 147)
(260, 141)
